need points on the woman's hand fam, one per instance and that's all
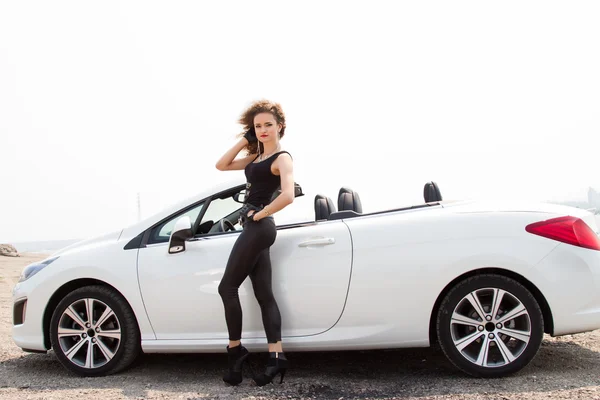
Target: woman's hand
(254, 215)
(250, 135)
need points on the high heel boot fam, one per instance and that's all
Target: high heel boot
(235, 360)
(278, 364)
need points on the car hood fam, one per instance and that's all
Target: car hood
(88, 243)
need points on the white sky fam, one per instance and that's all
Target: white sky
(100, 101)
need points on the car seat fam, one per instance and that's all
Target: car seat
(323, 207)
(348, 199)
(431, 192)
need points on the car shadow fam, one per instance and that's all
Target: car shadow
(348, 374)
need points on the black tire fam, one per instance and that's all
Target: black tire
(127, 347)
(500, 364)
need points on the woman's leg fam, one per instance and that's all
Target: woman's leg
(256, 237)
(262, 282)
(261, 277)
(243, 256)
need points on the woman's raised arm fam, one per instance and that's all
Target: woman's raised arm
(228, 161)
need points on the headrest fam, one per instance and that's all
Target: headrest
(349, 200)
(431, 192)
(323, 207)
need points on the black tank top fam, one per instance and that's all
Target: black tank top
(261, 183)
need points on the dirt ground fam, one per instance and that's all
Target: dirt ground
(565, 368)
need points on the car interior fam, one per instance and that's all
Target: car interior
(223, 211)
(349, 205)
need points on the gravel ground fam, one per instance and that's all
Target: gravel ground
(565, 368)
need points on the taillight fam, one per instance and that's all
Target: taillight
(569, 230)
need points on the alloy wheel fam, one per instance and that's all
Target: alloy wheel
(490, 327)
(89, 333)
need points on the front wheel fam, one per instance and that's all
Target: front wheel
(94, 332)
(490, 326)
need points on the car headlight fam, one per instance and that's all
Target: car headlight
(34, 268)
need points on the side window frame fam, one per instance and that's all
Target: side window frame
(218, 196)
(207, 200)
(148, 235)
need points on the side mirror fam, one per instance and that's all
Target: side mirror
(181, 232)
(240, 196)
(298, 190)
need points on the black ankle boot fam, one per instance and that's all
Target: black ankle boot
(278, 364)
(235, 360)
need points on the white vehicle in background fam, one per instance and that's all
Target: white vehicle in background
(485, 281)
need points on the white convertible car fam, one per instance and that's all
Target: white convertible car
(483, 281)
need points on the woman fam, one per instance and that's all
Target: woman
(266, 167)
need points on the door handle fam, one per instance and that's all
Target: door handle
(317, 242)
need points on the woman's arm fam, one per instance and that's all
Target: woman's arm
(286, 171)
(227, 162)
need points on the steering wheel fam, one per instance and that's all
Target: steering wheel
(226, 225)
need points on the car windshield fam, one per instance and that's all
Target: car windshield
(217, 210)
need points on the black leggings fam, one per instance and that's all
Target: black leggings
(250, 257)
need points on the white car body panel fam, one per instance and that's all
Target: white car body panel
(376, 286)
(417, 266)
(181, 290)
(569, 277)
(103, 261)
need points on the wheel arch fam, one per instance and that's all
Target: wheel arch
(537, 294)
(64, 290)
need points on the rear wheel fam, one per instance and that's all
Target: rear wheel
(94, 332)
(490, 326)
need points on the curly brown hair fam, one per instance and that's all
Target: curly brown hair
(247, 120)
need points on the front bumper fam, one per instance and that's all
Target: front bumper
(29, 334)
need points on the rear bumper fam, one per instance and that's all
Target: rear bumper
(571, 285)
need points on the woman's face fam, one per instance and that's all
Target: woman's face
(266, 127)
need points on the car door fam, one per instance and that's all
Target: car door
(311, 272)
